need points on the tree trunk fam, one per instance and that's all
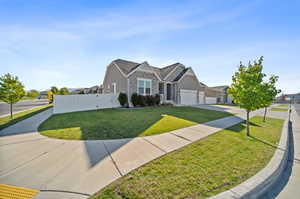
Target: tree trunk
(248, 130)
(265, 114)
(11, 112)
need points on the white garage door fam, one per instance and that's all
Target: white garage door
(210, 100)
(188, 97)
(201, 97)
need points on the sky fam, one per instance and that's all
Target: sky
(69, 43)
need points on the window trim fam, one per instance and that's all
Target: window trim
(137, 86)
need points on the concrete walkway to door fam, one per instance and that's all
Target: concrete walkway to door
(77, 169)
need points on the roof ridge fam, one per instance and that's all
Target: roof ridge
(170, 65)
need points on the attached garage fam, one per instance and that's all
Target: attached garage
(210, 100)
(188, 97)
(201, 97)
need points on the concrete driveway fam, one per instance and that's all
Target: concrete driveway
(21, 106)
(77, 169)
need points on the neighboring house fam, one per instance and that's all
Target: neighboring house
(222, 95)
(91, 90)
(43, 95)
(175, 83)
(287, 98)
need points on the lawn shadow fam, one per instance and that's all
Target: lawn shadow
(265, 142)
(238, 128)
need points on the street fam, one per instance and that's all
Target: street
(21, 106)
(297, 108)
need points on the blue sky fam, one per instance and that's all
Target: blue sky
(70, 43)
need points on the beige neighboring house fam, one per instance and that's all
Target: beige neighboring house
(222, 94)
(175, 83)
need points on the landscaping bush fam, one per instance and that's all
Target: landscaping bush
(149, 99)
(123, 99)
(141, 100)
(134, 99)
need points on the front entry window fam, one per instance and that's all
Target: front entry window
(161, 88)
(169, 91)
(144, 86)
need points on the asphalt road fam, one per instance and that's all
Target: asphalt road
(297, 108)
(21, 106)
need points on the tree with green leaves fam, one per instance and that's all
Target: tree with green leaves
(269, 92)
(64, 91)
(32, 93)
(246, 87)
(50, 97)
(54, 90)
(11, 90)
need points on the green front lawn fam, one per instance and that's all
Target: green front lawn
(6, 121)
(124, 123)
(279, 109)
(203, 168)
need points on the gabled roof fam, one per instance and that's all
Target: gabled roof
(126, 66)
(167, 69)
(181, 74)
(220, 87)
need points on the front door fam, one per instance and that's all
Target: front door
(169, 91)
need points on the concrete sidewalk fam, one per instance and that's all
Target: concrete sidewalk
(77, 169)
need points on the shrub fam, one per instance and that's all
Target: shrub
(149, 99)
(123, 99)
(134, 99)
(141, 100)
(157, 99)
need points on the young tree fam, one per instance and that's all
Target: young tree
(50, 97)
(246, 87)
(54, 90)
(64, 91)
(269, 93)
(11, 90)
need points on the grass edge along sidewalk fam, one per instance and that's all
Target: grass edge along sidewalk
(17, 117)
(125, 123)
(204, 168)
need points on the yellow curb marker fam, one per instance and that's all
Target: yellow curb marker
(13, 192)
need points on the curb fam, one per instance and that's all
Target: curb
(261, 182)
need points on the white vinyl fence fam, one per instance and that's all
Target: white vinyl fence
(73, 103)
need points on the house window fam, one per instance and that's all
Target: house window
(161, 88)
(144, 86)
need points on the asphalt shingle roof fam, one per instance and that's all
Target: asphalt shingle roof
(128, 66)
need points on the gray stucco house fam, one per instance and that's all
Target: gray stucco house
(175, 83)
